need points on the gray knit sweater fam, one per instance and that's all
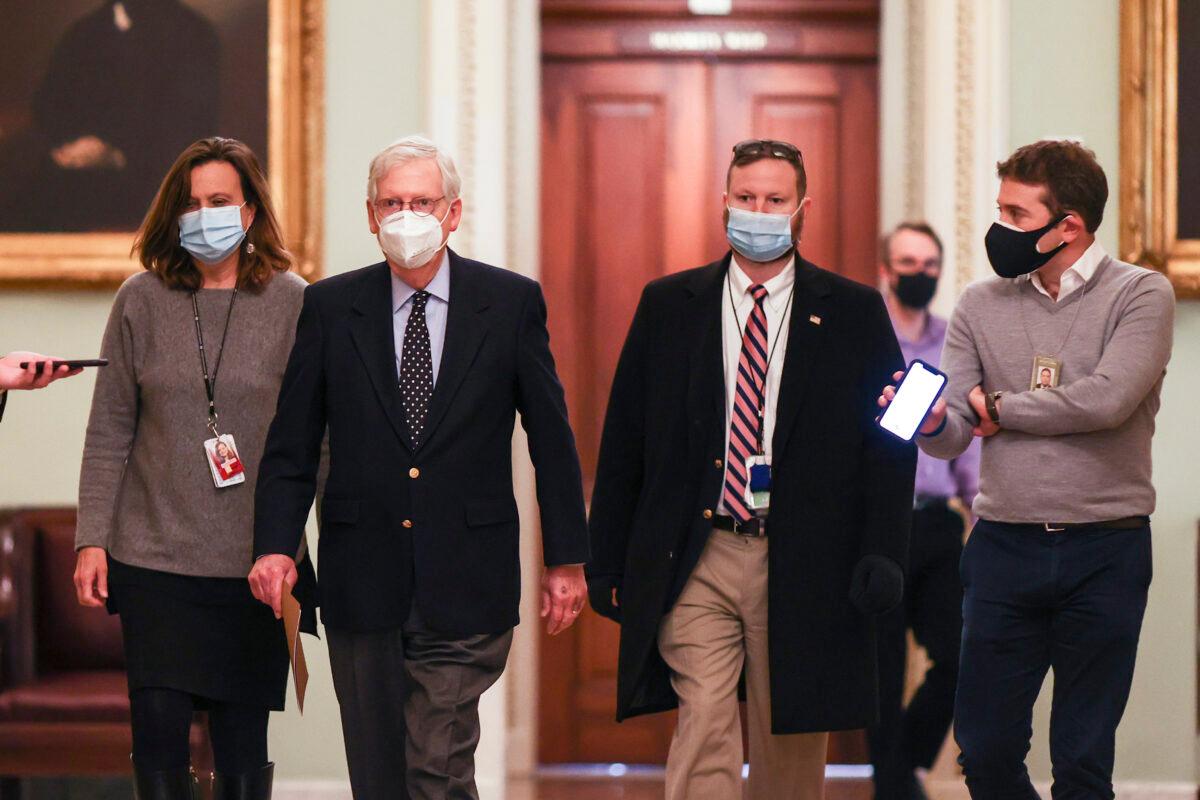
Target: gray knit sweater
(1079, 452)
(145, 490)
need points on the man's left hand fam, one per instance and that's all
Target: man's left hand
(978, 401)
(564, 592)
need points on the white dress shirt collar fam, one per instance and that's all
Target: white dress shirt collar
(1077, 275)
(439, 287)
(778, 288)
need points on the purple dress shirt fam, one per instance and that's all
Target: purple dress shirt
(935, 477)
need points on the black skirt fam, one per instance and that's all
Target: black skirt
(208, 637)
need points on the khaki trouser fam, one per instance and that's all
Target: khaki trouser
(719, 624)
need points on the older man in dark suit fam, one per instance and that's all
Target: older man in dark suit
(419, 366)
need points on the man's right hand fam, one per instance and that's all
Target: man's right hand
(267, 579)
(91, 576)
(604, 594)
(933, 420)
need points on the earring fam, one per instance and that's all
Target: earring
(249, 248)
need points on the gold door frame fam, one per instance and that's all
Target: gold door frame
(295, 142)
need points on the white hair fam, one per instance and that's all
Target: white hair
(411, 148)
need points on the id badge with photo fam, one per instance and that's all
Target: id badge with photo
(224, 461)
(1047, 372)
(758, 488)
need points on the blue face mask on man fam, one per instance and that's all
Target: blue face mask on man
(758, 236)
(211, 234)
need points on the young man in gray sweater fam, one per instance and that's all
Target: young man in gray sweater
(1057, 569)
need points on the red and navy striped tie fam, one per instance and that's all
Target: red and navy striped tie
(745, 426)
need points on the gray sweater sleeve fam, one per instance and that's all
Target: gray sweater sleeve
(1134, 359)
(111, 428)
(961, 363)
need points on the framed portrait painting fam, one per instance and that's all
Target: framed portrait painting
(1160, 153)
(98, 97)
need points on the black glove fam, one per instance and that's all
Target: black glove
(600, 594)
(877, 585)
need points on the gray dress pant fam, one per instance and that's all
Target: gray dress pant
(409, 700)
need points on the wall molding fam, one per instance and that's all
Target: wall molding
(483, 105)
(965, 85)
(953, 114)
(914, 87)
(466, 93)
(468, 116)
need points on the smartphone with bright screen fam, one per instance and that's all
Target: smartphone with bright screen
(916, 394)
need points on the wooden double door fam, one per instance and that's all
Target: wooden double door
(635, 148)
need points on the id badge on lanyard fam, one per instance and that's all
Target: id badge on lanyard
(758, 488)
(1047, 373)
(220, 451)
(758, 466)
(758, 469)
(224, 461)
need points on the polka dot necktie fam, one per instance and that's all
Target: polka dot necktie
(416, 369)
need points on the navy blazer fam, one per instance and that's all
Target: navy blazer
(437, 524)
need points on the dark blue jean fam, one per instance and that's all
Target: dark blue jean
(1033, 600)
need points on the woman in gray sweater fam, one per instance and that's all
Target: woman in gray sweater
(196, 346)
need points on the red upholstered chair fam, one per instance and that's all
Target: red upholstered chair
(64, 703)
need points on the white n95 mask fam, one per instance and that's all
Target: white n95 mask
(412, 240)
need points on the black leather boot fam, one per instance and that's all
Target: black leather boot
(247, 786)
(171, 784)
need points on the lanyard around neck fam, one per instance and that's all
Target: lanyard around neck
(762, 388)
(210, 383)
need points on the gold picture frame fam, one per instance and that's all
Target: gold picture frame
(1149, 188)
(295, 144)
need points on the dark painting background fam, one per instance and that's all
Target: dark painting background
(197, 68)
(1188, 126)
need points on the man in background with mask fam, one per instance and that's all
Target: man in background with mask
(1057, 569)
(748, 513)
(910, 263)
(419, 365)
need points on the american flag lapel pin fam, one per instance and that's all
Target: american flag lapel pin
(814, 319)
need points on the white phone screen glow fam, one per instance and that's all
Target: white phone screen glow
(913, 400)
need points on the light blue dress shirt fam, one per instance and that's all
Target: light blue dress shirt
(436, 310)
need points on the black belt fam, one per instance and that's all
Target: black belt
(754, 528)
(1122, 524)
(929, 502)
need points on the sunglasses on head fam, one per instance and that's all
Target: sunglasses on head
(771, 148)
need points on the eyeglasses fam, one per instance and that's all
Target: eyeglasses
(771, 148)
(915, 265)
(421, 206)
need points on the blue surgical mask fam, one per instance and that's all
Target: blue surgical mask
(757, 236)
(211, 234)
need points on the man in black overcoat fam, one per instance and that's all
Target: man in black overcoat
(749, 518)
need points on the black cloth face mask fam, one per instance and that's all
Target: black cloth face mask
(915, 291)
(1013, 252)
